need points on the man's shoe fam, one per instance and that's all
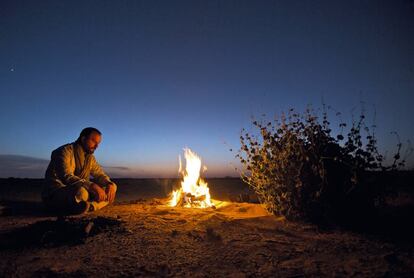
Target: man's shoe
(94, 206)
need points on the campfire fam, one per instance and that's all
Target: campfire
(194, 192)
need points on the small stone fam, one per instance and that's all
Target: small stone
(212, 235)
(174, 233)
(88, 228)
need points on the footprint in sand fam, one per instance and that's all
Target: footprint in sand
(181, 221)
(165, 212)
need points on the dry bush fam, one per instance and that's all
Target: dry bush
(299, 170)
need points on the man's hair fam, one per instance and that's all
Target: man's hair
(86, 132)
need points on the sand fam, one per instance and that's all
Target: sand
(149, 238)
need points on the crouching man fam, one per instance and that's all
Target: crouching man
(68, 189)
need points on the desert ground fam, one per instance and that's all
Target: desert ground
(140, 235)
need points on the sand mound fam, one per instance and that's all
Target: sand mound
(240, 210)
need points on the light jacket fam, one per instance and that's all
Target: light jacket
(71, 166)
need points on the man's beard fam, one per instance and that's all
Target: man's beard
(87, 150)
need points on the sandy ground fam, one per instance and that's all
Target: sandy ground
(148, 238)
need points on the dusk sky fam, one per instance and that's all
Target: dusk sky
(158, 76)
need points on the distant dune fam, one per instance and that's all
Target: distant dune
(20, 166)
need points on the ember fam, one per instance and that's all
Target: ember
(194, 191)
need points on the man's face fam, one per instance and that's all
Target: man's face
(91, 143)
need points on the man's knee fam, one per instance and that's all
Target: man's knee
(114, 185)
(81, 194)
(66, 197)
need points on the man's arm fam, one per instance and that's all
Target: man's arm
(103, 179)
(98, 173)
(63, 171)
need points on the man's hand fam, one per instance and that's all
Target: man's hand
(111, 191)
(98, 192)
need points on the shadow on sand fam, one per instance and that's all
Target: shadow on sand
(24, 208)
(59, 232)
(391, 225)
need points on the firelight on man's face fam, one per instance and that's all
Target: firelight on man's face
(91, 143)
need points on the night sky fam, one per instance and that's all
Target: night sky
(157, 76)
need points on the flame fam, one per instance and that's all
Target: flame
(194, 191)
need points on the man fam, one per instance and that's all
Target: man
(67, 187)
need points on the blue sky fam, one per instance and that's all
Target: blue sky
(157, 76)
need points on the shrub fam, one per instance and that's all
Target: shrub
(299, 170)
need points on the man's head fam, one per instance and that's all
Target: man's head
(89, 139)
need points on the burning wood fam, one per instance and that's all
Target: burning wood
(190, 200)
(194, 191)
